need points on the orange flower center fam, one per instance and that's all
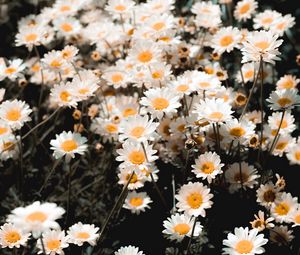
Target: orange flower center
(83, 235)
(13, 114)
(207, 167)
(297, 155)
(37, 216)
(136, 201)
(237, 131)
(195, 200)
(53, 245)
(83, 91)
(244, 247)
(160, 103)
(120, 8)
(129, 112)
(56, 63)
(297, 219)
(111, 128)
(137, 132)
(8, 146)
(157, 75)
(245, 8)
(282, 209)
(65, 8)
(65, 96)
(182, 228)
(137, 157)
(134, 178)
(263, 45)
(226, 40)
(249, 74)
(284, 101)
(216, 115)
(117, 78)
(10, 70)
(31, 37)
(3, 130)
(288, 84)
(145, 56)
(12, 237)
(204, 84)
(69, 145)
(158, 26)
(182, 88)
(281, 146)
(66, 27)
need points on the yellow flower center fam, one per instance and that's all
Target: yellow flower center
(111, 128)
(8, 146)
(165, 38)
(182, 88)
(129, 112)
(249, 74)
(3, 130)
(237, 131)
(263, 45)
(245, 8)
(216, 115)
(13, 114)
(267, 21)
(284, 101)
(297, 219)
(117, 78)
(297, 155)
(83, 91)
(83, 235)
(145, 56)
(160, 103)
(195, 200)
(136, 157)
(35, 68)
(120, 8)
(137, 132)
(157, 75)
(66, 27)
(158, 26)
(288, 84)
(31, 37)
(204, 84)
(134, 178)
(182, 228)
(281, 26)
(282, 209)
(10, 70)
(281, 146)
(53, 245)
(226, 40)
(36, 216)
(65, 96)
(69, 145)
(56, 63)
(12, 237)
(244, 247)
(65, 8)
(207, 167)
(136, 201)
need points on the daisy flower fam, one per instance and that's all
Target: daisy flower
(182, 85)
(106, 128)
(159, 6)
(67, 26)
(54, 61)
(248, 72)
(287, 124)
(283, 207)
(115, 77)
(15, 113)
(293, 153)
(244, 177)
(5, 130)
(261, 45)
(137, 128)
(287, 82)
(129, 250)
(207, 166)
(244, 241)
(132, 153)
(119, 6)
(12, 70)
(266, 194)
(30, 36)
(265, 19)
(12, 236)
(295, 217)
(80, 233)
(254, 117)
(54, 242)
(137, 180)
(37, 217)
(69, 53)
(9, 147)
(226, 39)
(137, 202)
(208, 15)
(68, 144)
(179, 226)
(239, 130)
(245, 9)
(260, 223)
(64, 94)
(194, 199)
(282, 24)
(160, 101)
(144, 52)
(283, 145)
(283, 99)
(213, 110)
(281, 235)
(205, 82)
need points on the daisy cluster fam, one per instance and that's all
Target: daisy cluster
(196, 89)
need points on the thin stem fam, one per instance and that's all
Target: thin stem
(43, 246)
(277, 132)
(69, 193)
(252, 90)
(192, 234)
(240, 168)
(262, 103)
